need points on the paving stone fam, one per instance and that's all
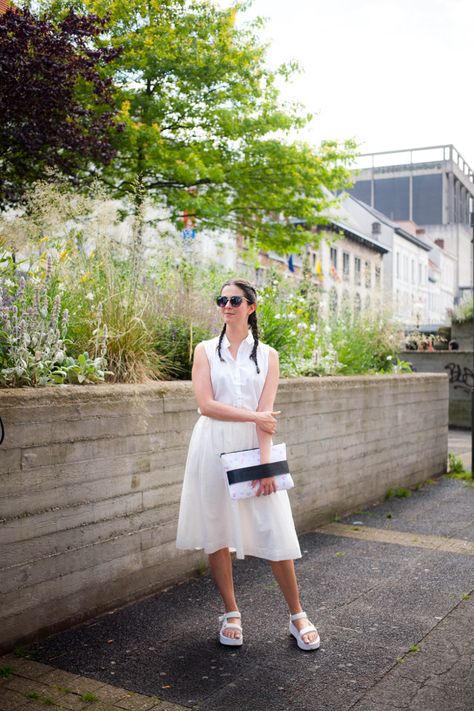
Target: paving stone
(110, 694)
(136, 702)
(27, 667)
(61, 678)
(11, 700)
(167, 706)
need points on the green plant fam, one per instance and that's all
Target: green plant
(62, 689)
(33, 333)
(177, 338)
(462, 312)
(365, 343)
(6, 671)
(32, 695)
(21, 652)
(414, 648)
(201, 568)
(88, 697)
(399, 492)
(456, 468)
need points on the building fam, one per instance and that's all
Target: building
(432, 187)
(347, 265)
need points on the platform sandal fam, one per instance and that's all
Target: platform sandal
(223, 638)
(299, 634)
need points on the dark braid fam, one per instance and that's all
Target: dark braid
(254, 327)
(220, 343)
(251, 296)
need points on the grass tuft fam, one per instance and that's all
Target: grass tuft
(400, 492)
(88, 697)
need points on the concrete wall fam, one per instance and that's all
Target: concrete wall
(459, 367)
(90, 480)
(463, 334)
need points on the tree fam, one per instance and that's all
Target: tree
(206, 135)
(57, 111)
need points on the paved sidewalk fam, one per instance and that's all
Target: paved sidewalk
(390, 589)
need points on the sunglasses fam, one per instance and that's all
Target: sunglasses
(234, 300)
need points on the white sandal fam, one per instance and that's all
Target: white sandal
(299, 634)
(223, 638)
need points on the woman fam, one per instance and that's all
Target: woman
(235, 380)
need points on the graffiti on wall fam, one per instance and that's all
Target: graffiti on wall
(461, 377)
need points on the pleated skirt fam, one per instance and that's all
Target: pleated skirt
(210, 520)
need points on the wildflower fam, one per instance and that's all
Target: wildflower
(277, 316)
(389, 357)
(89, 296)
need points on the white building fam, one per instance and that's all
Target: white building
(406, 266)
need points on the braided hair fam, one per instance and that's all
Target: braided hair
(251, 296)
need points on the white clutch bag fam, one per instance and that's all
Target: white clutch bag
(243, 467)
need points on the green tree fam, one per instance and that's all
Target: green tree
(205, 133)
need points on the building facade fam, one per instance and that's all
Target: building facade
(432, 187)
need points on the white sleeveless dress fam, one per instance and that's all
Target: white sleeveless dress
(208, 518)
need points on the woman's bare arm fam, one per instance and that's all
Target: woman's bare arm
(267, 399)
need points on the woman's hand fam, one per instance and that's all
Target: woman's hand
(266, 486)
(267, 420)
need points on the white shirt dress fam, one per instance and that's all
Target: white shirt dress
(208, 518)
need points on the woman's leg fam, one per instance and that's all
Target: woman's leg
(284, 572)
(220, 563)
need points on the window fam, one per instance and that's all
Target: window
(357, 270)
(333, 301)
(368, 274)
(405, 267)
(345, 266)
(420, 275)
(334, 257)
(412, 271)
(377, 275)
(357, 303)
(397, 265)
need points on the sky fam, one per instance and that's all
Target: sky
(392, 74)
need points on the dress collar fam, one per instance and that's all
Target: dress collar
(249, 340)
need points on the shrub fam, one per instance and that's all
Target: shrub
(33, 333)
(462, 311)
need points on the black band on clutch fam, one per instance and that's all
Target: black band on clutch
(259, 471)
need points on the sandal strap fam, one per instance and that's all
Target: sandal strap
(226, 615)
(231, 626)
(298, 616)
(305, 630)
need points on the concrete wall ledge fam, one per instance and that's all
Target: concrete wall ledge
(90, 480)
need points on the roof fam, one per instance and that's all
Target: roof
(351, 233)
(357, 236)
(4, 6)
(387, 221)
(411, 238)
